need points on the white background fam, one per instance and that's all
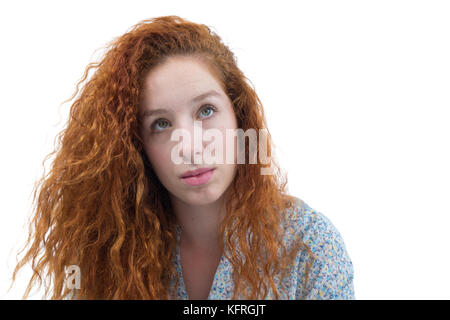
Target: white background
(356, 94)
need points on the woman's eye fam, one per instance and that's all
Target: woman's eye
(159, 122)
(209, 111)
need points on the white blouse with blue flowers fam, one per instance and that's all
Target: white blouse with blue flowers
(331, 274)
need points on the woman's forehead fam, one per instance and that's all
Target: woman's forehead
(179, 72)
(182, 83)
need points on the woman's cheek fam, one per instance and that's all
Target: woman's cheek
(161, 155)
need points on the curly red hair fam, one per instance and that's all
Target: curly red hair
(102, 208)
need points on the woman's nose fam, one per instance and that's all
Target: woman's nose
(193, 144)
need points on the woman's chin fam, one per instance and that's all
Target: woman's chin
(199, 197)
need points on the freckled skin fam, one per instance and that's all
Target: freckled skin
(172, 86)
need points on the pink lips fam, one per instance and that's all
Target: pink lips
(198, 177)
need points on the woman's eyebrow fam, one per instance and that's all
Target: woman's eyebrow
(205, 95)
(148, 113)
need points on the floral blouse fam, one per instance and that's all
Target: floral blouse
(331, 274)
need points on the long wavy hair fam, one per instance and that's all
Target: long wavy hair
(101, 206)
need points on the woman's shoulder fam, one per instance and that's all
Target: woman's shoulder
(301, 216)
(332, 269)
(313, 227)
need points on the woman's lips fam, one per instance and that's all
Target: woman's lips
(195, 172)
(199, 179)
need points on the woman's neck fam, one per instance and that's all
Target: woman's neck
(199, 223)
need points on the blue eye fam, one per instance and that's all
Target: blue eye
(208, 113)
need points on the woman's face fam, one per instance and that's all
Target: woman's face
(173, 89)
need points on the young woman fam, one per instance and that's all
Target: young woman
(137, 212)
